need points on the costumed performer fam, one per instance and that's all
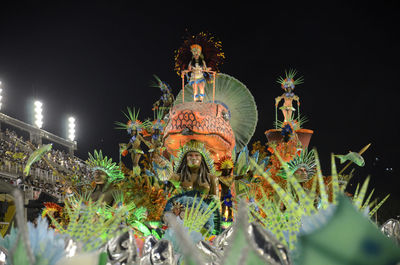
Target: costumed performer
(106, 173)
(288, 84)
(199, 55)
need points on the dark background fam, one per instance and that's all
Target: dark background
(92, 59)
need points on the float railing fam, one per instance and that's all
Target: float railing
(183, 83)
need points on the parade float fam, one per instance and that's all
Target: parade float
(189, 188)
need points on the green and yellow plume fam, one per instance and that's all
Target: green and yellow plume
(105, 164)
(194, 146)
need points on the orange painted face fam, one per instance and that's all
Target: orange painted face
(196, 51)
(206, 123)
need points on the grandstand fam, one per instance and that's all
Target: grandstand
(45, 181)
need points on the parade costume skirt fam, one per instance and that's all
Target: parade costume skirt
(197, 81)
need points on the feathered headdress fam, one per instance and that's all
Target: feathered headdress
(51, 207)
(98, 162)
(305, 160)
(211, 50)
(224, 163)
(158, 122)
(164, 87)
(288, 83)
(194, 146)
(133, 122)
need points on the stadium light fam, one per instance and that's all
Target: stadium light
(71, 128)
(38, 114)
(1, 97)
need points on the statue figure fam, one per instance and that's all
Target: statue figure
(194, 169)
(200, 55)
(288, 84)
(106, 173)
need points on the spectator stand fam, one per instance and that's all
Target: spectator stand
(47, 179)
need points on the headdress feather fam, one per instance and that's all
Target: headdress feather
(305, 160)
(288, 81)
(133, 121)
(211, 50)
(194, 146)
(105, 164)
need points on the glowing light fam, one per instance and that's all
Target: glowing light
(71, 128)
(38, 114)
(2, 257)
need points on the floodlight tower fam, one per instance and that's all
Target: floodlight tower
(71, 129)
(35, 136)
(38, 114)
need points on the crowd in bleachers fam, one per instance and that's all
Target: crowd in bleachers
(14, 153)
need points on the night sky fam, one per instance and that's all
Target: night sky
(93, 59)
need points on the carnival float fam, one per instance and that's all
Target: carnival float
(189, 188)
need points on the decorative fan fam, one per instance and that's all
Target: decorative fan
(235, 96)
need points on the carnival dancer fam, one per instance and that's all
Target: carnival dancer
(288, 84)
(155, 130)
(106, 173)
(134, 128)
(198, 68)
(200, 55)
(226, 178)
(167, 98)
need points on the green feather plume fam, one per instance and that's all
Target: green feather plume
(89, 227)
(99, 162)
